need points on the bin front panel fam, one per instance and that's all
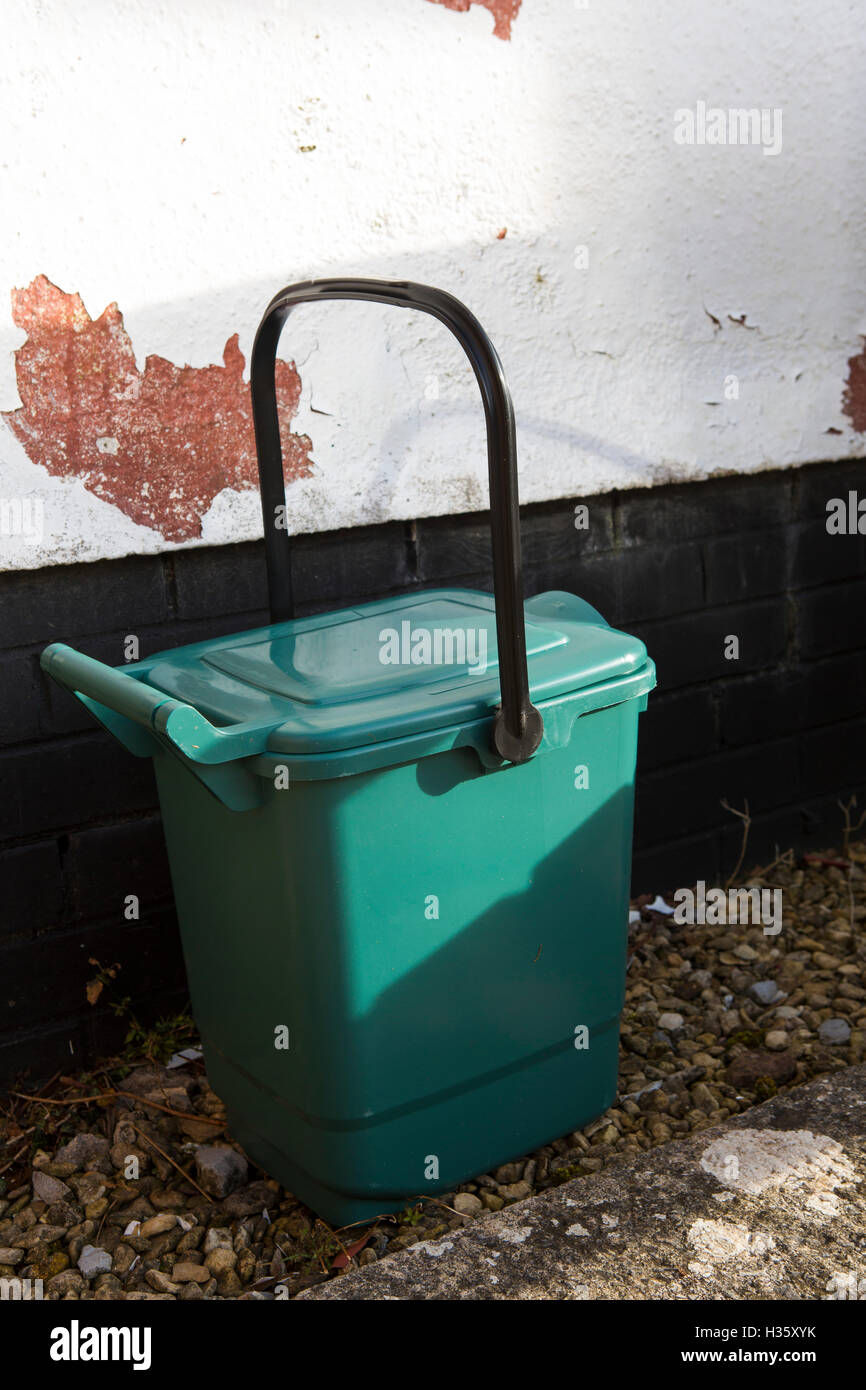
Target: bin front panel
(431, 935)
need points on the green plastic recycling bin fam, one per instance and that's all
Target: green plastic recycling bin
(400, 841)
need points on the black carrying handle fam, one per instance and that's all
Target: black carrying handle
(518, 726)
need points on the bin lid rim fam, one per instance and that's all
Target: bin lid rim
(388, 668)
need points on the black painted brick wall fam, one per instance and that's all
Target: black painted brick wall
(683, 566)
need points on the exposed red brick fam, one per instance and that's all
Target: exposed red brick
(504, 12)
(159, 444)
(854, 395)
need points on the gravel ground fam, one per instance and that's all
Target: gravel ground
(716, 1019)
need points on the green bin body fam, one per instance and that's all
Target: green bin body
(405, 951)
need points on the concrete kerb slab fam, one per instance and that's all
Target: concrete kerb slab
(769, 1205)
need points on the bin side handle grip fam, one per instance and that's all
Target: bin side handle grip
(183, 726)
(518, 726)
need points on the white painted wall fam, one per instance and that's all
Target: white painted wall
(150, 155)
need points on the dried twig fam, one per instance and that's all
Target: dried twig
(112, 1206)
(788, 859)
(336, 1238)
(747, 822)
(848, 829)
(13, 1159)
(130, 1095)
(45, 1100)
(421, 1197)
(169, 1159)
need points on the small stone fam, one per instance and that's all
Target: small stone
(9, 1255)
(120, 1154)
(220, 1171)
(47, 1189)
(492, 1201)
(777, 1040)
(59, 1170)
(514, 1191)
(468, 1204)
(124, 1256)
(834, 1031)
(703, 1098)
(745, 951)
(818, 1000)
(40, 1235)
(161, 1282)
(93, 1261)
(158, 1084)
(167, 1200)
(46, 1264)
(249, 1201)
(508, 1172)
(64, 1214)
(186, 1273)
(86, 1151)
(88, 1187)
(109, 1282)
(405, 1240)
(199, 1131)
(746, 1069)
(66, 1282)
(766, 991)
(218, 1238)
(220, 1261)
(157, 1225)
(670, 1022)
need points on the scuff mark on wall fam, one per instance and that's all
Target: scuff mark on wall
(160, 444)
(854, 395)
(504, 12)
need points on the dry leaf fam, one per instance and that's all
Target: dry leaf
(351, 1250)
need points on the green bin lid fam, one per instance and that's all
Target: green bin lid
(388, 669)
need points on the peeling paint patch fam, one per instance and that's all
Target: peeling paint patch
(159, 444)
(854, 395)
(504, 12)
